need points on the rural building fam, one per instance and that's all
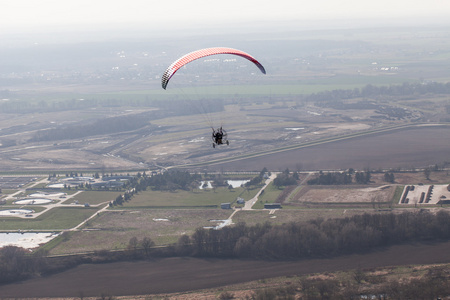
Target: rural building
(272, 205)
(443, 200)
(239, 200)
(117, 178)
(225, 206)
(107, 184)
(75, 181)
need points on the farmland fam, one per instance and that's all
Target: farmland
(299, 102)
(410, 148)
(164, 216)
(175, 275)
(372, 105)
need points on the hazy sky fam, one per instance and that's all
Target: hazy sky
(33, 14)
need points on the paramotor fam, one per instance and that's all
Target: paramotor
(219, 135)
(176, 65)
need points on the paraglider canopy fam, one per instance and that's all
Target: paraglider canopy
(176, 65)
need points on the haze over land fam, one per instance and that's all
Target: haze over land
(361, 88)
(61, 97)
(30, 15)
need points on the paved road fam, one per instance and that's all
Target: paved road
(249, 204)
(23, 189)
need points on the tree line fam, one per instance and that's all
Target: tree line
(301, 240)
(345, 177)
(173, 180)
(181, 106)
(372, 91)
(316, 238)
(286, 178)
(99, 127)
(124, 123)
(169, 181)
(171, 106)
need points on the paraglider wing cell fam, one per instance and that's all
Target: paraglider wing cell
(202, 53)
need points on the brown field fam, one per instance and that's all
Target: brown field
(172, 275)
(113, 229)
(408, 148)
(345, 195)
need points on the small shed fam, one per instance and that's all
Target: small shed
(225, 206)
(240, 200)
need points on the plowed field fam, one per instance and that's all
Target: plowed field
(406, 148)
(187, 274)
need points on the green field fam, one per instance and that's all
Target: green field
(302, 88)
(270, 195)
(205, 198)
(295, 87)
(54, 219)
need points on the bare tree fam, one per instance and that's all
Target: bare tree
(147, 245)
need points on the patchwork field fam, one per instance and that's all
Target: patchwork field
(304, 115)
(114, 229)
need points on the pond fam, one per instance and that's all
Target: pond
(56, 186)
(33, 201)
(237, 183)
(15, 212)
(233, 183)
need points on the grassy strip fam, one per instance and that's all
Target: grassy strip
(164, 207)
(56, 241)
(398, 193)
